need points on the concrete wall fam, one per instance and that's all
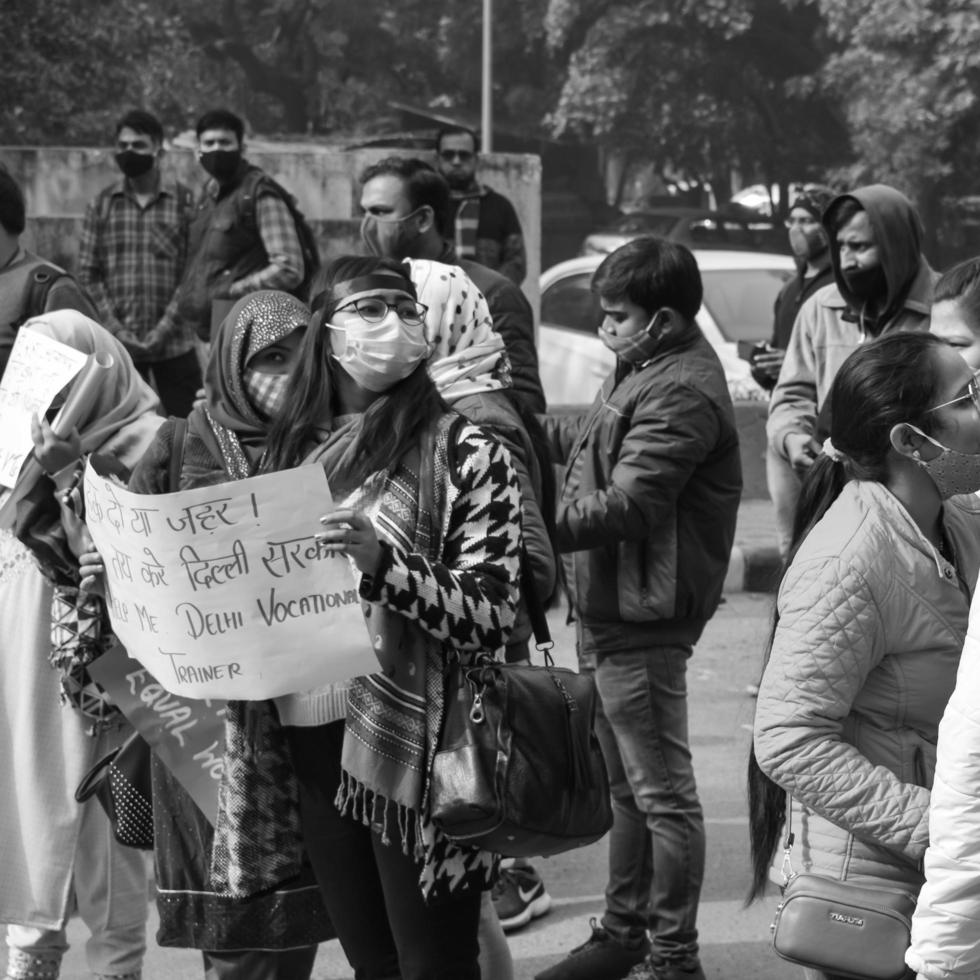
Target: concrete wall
(59, 182)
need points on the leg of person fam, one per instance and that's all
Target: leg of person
(341, 852)
(260, 964)
(620, 942)
(436, 940)
(178, 380)
(111, 887)
(495, 958)
(644, 697)
(784, 490)
(34, 954)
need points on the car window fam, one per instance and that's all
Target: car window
(570, 303)
(741, 300)
(707, 231)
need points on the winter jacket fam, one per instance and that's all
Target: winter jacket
(648, 505)
(871, 621)
(832, 322)
(946, 925)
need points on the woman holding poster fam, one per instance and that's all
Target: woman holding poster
(243, 936)
(58, 854)
(429, 513)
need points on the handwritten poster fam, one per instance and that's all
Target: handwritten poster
(188, 735)
(38, 369)
(225, 592)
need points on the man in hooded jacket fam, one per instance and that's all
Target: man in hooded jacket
(882, 282)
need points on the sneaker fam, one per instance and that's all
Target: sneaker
(600, 957)
(656, 968)
(519, 896)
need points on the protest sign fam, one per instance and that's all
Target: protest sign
(187, 735)
(224, 591)
(38, 369)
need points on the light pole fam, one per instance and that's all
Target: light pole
(486, 101)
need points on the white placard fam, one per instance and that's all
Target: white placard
(224, 591)
(38, 369)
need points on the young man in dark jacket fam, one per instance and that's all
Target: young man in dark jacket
(646, 520)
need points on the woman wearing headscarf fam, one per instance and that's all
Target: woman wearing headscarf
(58, 854)
(469, 365)
(271, 936)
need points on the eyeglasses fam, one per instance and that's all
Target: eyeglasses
(448, 156)
(972, 392)
(373, 309)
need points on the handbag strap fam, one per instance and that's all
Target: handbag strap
(786, 868)
(535, 608)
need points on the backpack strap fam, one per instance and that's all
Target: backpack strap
(35, 296)
(177, 453)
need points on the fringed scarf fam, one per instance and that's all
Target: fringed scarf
(394, 717)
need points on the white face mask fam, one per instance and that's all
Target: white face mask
(953, 472)
(379, 355)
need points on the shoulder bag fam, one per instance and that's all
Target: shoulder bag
(842, 927)
(518, 770)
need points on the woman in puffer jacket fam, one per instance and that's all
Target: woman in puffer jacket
(870, 620)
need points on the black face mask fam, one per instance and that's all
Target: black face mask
(221, 164)
(866, 284)
(134, 164)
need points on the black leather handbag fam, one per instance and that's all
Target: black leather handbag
(120, 781)
(518, 769)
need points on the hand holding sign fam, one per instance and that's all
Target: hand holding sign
(349, 532)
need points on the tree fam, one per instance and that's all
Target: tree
(701, 86)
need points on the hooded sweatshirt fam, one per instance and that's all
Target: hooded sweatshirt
(833, 321)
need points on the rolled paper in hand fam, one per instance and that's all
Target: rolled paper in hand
(78, 403)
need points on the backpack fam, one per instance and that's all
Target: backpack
(35, 296)
(254, 182)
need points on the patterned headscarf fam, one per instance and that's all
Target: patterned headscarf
(468, 355)
(254, 323)
(123, 420)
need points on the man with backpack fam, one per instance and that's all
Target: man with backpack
(131, 257)
(29, 285)
(247, 233)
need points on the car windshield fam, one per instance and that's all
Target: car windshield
(741, 300)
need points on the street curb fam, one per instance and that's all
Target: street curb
(753, 569)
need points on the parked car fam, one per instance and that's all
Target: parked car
(739, 291)
(694, 227)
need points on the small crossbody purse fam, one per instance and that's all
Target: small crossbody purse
(841, 927)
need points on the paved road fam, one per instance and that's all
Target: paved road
(735, 941)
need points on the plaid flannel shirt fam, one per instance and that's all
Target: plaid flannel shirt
(131, 263)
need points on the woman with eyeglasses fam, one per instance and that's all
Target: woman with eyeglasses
(870, 620)
(427, 508)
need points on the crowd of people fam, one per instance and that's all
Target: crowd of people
(408, 374)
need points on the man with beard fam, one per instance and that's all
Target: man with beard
(243, 237)
(485, 225)
(810, 245)
(406, 208)
(882, 282)
(131, 257)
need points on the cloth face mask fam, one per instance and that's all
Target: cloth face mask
(266, 392)
(953, 472)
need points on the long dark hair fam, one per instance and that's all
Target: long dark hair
(883, 383)
(392, 423)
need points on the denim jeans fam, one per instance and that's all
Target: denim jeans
(657, 844)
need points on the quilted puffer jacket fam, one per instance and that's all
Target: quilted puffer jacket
(946, 925)
(872, 620)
